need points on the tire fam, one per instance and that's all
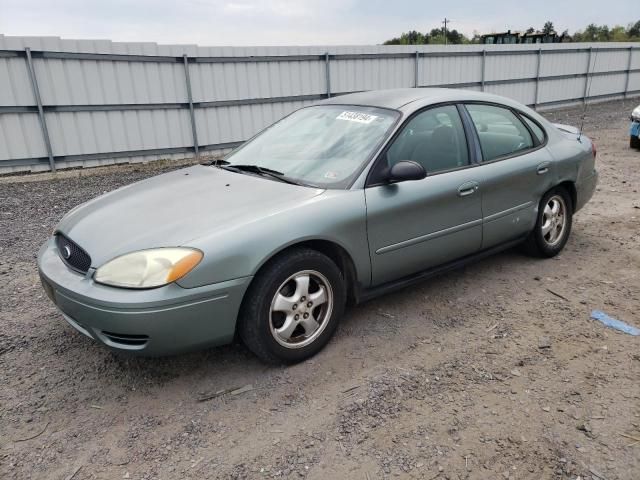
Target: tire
(276, 323)
(549, 237)
(634, 142)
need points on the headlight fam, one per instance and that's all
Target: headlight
(148, 268)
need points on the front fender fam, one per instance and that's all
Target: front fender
(337, 216)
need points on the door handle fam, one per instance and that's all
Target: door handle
(543, 168)
(468, 188)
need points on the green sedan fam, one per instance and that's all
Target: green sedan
(338, 202)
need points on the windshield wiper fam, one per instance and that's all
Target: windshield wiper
(257, 169)
(217, 162)
(264, 171)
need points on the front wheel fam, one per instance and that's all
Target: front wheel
(293, 307)
(553, 226)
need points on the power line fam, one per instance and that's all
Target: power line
(446, 21)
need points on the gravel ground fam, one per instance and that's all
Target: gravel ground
(481, 373)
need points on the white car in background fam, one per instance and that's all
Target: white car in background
(634, 131)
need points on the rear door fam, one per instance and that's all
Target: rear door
(516, 171)
(415, 225)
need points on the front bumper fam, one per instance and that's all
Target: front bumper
(153, 322)
(634, 129)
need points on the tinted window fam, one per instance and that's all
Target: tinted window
(500, 131)
(434, 138)
(535, 128)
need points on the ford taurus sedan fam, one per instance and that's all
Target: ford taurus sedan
(335, 203)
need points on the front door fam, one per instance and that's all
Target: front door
(415, 225)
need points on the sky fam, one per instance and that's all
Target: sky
(290, 22)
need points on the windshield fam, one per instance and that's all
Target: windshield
(324, 145)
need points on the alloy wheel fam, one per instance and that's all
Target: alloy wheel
(301, 309)
(554, 220)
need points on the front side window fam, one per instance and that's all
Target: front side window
(323, 145)
(434, 138)
(500, 131)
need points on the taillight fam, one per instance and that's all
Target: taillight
(594, 150)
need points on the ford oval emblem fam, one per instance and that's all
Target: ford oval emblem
(66, 252)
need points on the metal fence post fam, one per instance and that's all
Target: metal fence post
(327, 72)
(586, 81)
(194, 132)
(484, 65)
(43, 122)
(626, 85)
(535, 100)
(416, 83)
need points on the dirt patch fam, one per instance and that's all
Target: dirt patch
(480, 373)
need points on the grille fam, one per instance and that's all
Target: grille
(72, 254)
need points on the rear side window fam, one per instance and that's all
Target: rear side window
(535, 128)
(500, 131)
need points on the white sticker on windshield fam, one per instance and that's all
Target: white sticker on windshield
(356, 117)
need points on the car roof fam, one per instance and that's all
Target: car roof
(409, 99)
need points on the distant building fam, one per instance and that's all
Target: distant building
(510, 37)
(541, 37)
(507, 37)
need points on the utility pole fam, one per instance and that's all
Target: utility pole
(445, 21)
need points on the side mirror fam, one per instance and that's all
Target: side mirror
(406, 170)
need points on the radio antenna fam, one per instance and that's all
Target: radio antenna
(588, 90)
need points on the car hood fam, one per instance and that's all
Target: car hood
(175, 208)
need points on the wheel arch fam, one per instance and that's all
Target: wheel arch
(336, 252)
(570, 187)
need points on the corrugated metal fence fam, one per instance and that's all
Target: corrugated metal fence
(66, 103)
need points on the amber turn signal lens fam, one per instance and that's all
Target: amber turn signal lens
(184, 266)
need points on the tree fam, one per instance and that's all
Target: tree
(530, 30)
(409, 38)
(619, 34)
(591, 33)
(601, 33)
(414, 38)
(604, 34)
(455, 37)
(393, 41)
(634, 30)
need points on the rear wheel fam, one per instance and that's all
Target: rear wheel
(553, 226)
(634, 142)
(292, 307)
